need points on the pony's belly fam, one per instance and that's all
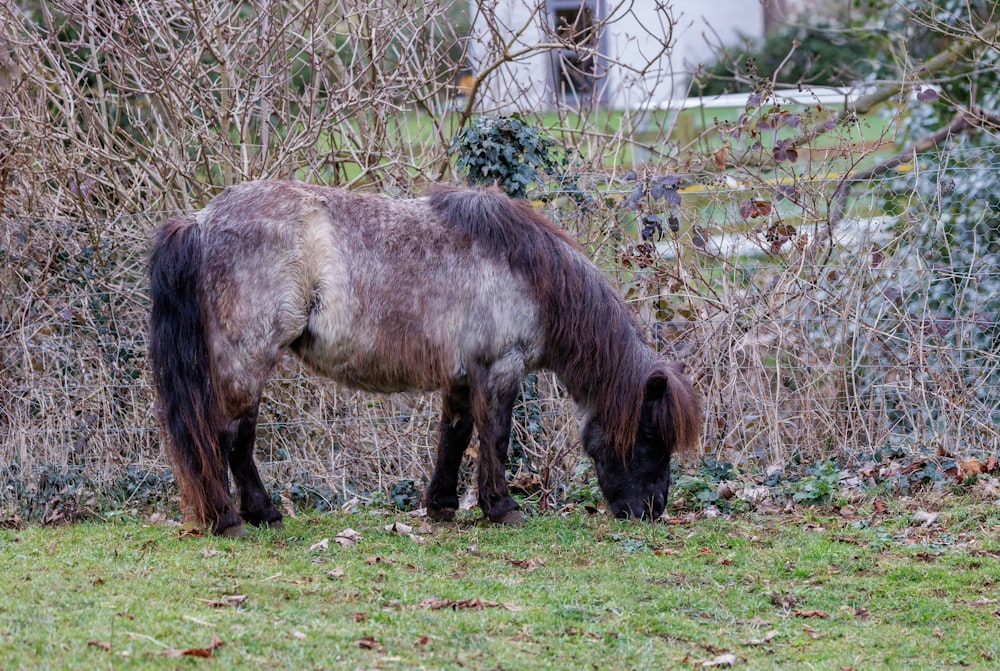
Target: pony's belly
(368, 369)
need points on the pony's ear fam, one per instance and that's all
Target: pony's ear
(656, 385)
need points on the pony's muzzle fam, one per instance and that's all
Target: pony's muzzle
(649, 508)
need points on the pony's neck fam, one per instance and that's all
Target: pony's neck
(599, 353)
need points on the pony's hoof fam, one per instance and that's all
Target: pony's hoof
(441, 514)
(235, 531)
(511, 517)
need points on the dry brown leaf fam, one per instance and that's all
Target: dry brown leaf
(811, 613)
(767, 637)
(205, 652)
(336, 573)
(399, 528)
(720, 158)
(971, 466)
(348, 537)
(785, 601)
(434, 603)
(226, 601)
(103, 645)
(368, 643)
(528, 564)
(287, 506)
(727, 659)
(321, 546)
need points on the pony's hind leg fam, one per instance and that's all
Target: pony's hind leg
(441, 496)
(255, 504)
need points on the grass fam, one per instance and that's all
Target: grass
(812, 589)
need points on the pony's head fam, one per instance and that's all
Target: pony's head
(636, 483)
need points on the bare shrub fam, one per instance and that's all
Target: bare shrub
(820, 337)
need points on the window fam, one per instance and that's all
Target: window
(576, 68)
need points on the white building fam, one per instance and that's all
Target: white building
(620, 53)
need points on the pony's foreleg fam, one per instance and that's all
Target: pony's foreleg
(494, 391)
(255, 504)
(441, 496)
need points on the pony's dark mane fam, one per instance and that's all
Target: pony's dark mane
(593, 342)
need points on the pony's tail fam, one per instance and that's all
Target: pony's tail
(682, 409)
(182, 370)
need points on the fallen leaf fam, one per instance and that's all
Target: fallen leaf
(423, 640)
(322, 546)
(206, 652)
(425, 529)
(924, 518)
(287, 506)
(336, 573)
(226, 601)
(299, 635)
(103, 645)
(360, 617)
(434, 603)
(399, 528)
(367, 642)
(722, 660)
(348, 537)
(528, 564)
(205, 552)
(811, 613)
(768, 636)
(190, 533)
(971, 467)
(785, 601)
(811, 631)
(665, 551)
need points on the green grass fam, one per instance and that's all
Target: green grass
(822, 591)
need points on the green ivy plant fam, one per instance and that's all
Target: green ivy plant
(506, 151)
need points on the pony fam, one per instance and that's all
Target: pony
(462, 291)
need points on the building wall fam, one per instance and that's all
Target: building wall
(636, 70)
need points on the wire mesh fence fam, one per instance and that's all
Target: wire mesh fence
(880, 334)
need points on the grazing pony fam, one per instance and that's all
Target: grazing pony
(464, 291)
